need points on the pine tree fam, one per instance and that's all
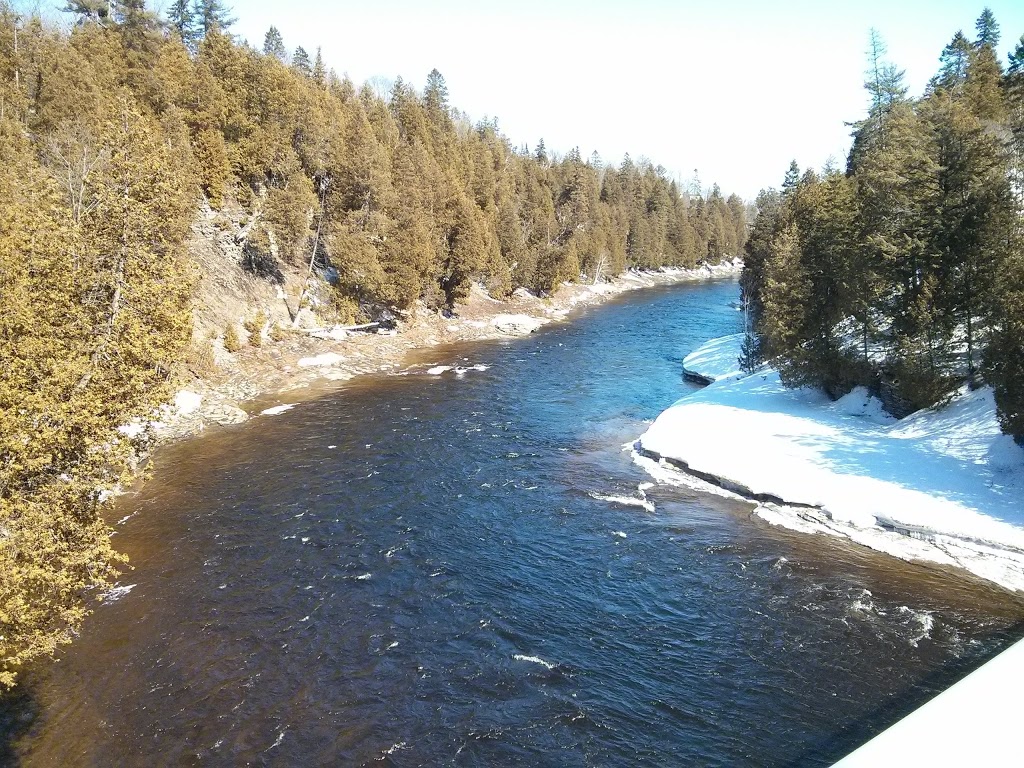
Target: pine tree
(1016, 58)
(319, 74)
(983, 86)
(273, 45)
(435, 95)
(883, 80)
(972, 216)
(823, 212)
(988, 30)
(181, 18)
(540, 154)
(1013, 86)
(300, 62)
(955, 59)
(1004, 356)
(210, 16)
(97, 11)
(767, 223)
(792, 178)
(896, 193)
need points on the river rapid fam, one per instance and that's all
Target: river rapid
(465, 567)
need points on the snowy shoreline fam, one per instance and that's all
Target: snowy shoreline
(942, 485)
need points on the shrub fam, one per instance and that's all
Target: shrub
(254, 327)
(232, 342)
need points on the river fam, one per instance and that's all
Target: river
(458, 569)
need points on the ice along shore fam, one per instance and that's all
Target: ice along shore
(941, 485)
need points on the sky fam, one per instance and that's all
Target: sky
(732, 88)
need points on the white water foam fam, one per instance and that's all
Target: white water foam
(863, 603)
(924, 622)
(533, 660)
(114, 594)
(277, 409)
(460, 371)
(627, 501)
(280, 738)
(392, 749)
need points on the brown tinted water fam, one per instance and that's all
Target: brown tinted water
(427, 570)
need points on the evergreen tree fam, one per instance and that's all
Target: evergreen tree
(181, 18)
(884, 82)
(56, 545)
(1016, 58)
(987, 29)
(983, 86)
(319, 73)
(273, 45)
(98, 11)
(785, 294)
(210, 16)
(955, 59)
(300, 62)
(435, 95)
(1004, 356)
(973, 216)
(792, 178)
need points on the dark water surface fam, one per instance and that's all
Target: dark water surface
(420, 570)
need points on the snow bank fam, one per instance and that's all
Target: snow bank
(941, 485)
(187, 402)
(717, 359)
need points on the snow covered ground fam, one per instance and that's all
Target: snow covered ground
(941, 485)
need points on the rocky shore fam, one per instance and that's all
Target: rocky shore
(249, 381)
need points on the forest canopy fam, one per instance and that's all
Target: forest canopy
(904, 272)
(119, 127)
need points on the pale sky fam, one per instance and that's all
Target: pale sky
(733, 88)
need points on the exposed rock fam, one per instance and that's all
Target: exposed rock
(518, 325)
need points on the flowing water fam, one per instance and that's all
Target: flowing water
(460, 569)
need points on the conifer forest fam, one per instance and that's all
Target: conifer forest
(904, 271)
(901, 270)
(117, 125)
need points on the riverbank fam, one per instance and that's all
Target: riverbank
(942, 485)
(258, 379)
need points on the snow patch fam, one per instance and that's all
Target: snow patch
(859, 402)
(133, 428)
(717, 359)
(187, 402)
(942, 485)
